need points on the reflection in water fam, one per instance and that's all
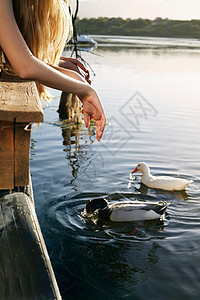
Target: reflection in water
(75, 138)
(146, 42)
(143, 189)
(32, 146)
(73, 132)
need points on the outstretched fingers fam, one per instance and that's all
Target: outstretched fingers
(92, 109)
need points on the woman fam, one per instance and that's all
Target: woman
(32, 36)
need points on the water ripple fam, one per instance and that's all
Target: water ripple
(68, 215)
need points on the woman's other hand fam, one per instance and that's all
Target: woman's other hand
(75, 65)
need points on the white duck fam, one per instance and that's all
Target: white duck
(160, 182)
(126, 211)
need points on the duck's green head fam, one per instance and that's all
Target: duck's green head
(98, 203)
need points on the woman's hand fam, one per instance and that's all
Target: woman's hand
(92, 109)
(75, 65)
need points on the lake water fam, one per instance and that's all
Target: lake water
(151, 96)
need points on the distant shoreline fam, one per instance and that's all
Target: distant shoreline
(140, 27)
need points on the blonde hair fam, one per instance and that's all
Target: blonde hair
(45, 26)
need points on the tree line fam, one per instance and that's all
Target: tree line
(140, 27)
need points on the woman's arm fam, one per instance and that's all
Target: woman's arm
(70, 72)
(28, 66)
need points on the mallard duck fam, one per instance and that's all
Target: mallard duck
(160, 182)
(126, 211)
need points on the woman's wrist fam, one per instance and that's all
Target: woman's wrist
(88, 93)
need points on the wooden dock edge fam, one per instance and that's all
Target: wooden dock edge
(19, 107)
(25, 267)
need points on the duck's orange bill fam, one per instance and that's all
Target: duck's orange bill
(136, 170)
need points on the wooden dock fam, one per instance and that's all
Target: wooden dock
(25, 267)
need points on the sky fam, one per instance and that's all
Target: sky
(172, 9)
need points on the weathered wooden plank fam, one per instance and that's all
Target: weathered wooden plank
(6, 155)
(25, 267)
(19, 105)
(21, 155)
(19, 100)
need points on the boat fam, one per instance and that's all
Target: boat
(85, 40)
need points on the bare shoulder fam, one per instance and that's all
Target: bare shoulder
(11, 39)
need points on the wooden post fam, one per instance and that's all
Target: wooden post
(70, 108)
(19, 108)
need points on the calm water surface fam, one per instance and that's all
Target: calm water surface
(152, 101)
